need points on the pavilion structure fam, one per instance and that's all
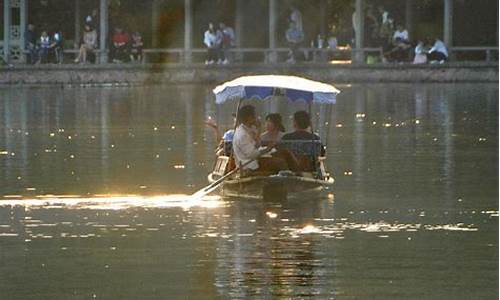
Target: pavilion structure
(12, 47)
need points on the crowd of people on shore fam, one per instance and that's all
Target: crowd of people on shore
(123, 47)
(49, 47)
(381, 30)
(39, 48)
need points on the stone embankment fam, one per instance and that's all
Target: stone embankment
(128, 74)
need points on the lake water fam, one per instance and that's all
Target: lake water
(93, 206)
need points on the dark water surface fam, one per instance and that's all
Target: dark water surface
(413, 214)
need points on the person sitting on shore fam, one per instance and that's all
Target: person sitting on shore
(136, 47)
(420, 53)
(274, 130)
(57, 45)
(119, 46)
(210, 41)
(438, 52)
(45, 46)
(89, 44)
(246, 150)
(401, 43)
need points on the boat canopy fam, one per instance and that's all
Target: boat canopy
(267, 86)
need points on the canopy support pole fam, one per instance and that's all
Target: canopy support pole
(234, 128)
(314, 154)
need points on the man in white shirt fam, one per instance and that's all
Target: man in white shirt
(401, 35)
(245, 139)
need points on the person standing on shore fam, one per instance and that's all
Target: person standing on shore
(386, 29)
(294, 37)
(210, 41)
(30, 37)
(219, 36)
(296, 17)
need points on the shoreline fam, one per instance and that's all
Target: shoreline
(145, 74)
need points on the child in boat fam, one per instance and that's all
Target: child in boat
(225, 142)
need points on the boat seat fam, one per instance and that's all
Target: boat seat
(228, 147)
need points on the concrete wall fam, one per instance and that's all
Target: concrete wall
(165, 74)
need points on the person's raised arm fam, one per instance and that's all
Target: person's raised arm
(212, 124)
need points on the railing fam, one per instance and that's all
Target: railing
(267, 55)
(276, 55)
(487, 50)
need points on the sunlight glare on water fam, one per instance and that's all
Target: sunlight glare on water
(114, 202)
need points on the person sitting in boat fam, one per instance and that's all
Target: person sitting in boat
(274, 130)
(225, 141)
(302, 142)
(246, 150)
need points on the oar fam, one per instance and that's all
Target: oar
(214, 185)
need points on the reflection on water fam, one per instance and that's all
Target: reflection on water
(113, 202)
(414, 212)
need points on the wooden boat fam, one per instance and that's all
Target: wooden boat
(284, 185)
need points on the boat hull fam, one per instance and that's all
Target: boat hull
(275, 187)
